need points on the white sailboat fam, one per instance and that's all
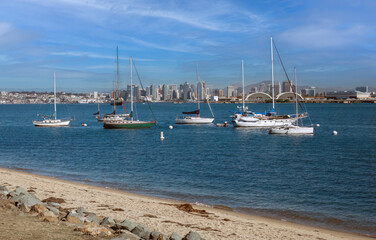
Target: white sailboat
(261, 120)
(194, 116)
(293, 129)
(51, 121)
(128, 123)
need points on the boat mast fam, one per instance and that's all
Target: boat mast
(130, 60)
(54, 96)
(243, 84)
(114, 94)
(117, 70)
(271, 55)
(198, 101)
(296, 96)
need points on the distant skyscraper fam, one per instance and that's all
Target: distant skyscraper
(286, 87)
(165, 92)
(262, 87)
(200, 91)
(136, 91)
(362, 89)
(230, 91)
(185, 91)
(153, 92)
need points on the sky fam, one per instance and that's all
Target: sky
(331, 43)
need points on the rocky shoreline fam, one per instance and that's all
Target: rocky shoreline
(20, 201)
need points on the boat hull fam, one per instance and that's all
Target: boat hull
(128, 124)
(194, 120)
(264, 123)
(51, 123)
(292, 130)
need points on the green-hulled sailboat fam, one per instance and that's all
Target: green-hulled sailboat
(129, 123)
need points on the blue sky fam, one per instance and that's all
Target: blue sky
(332, 43)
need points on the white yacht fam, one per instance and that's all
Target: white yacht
(271, 119)
(51, 121)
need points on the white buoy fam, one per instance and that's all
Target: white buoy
(162, 137)
(335, 132)
(170, 127)
(84, 125)
(317, 125)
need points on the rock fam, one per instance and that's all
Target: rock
(51, 219)
(27, 198)
(54, 210)
(192, 236)
(92, 217)
(107, 221)
(4, 202)
(20, 190)
(75, 218)
(126, 224)
(81, 210)
(38, 208)
(94, 229)
(24, 208)
(141, 231)
(53, 199)
(54, 204)
(46, 214)
(155, 235)
(3, 191)
(175, 236)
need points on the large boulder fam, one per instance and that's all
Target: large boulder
(175, 236)
(81, 210)
(20, 190)
(141, 231)
(108, 222)
(91, 217)
(126, 236)
(53, 209)
(75, 218)
(192, 236)
(126, 224)
(27, 198)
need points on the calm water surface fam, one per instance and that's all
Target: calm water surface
(321, 180)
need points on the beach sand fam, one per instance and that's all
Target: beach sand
(162, 214)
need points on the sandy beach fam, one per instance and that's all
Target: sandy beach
(162, 214)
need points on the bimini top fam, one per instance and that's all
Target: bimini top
(193, 112)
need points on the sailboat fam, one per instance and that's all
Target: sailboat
(128, 123)
(51, 121)
(116, 96)
(271, 119)
(293, 129)
(194, 117)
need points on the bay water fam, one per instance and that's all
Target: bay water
(321, 180)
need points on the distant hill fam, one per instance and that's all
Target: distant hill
(318, 89)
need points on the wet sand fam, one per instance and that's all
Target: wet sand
(163, 215)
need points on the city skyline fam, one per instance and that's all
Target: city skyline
(330, 46)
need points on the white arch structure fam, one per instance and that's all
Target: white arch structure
(265, 96)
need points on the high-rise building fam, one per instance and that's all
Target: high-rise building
(136, 91)
(200, 91)
(286, 87)
(262, 87)
(362, 89)
(185, 96)
(230, 91)
(165, 92)
(95, 95)
(153, 92)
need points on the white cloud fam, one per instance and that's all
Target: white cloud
(323, 35)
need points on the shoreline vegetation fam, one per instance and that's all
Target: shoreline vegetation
(163, 215)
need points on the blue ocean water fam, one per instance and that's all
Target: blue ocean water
(322, 180)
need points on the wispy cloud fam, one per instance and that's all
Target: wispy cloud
(324, 35)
